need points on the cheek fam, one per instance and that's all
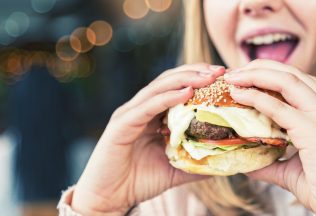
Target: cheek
(304, 11)
(219, 19)
(221, 25)
(309, 19)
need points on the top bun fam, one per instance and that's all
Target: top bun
(218, 94)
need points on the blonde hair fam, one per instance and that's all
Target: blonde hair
(217, 193)
(196, 41)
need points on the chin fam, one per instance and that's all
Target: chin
(212, 134)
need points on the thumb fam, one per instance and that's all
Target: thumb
(282, 173)
(181, 177)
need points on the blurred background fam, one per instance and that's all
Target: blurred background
(65, 65)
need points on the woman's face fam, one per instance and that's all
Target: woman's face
(281, 30)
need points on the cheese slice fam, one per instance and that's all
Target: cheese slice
(212, 118)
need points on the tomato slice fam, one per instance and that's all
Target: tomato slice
(224, 142)
(164, 130)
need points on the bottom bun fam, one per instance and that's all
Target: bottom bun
(229, 163)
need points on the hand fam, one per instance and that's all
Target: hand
(129, 164)
(298, 117)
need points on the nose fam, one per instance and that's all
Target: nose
(257, 8)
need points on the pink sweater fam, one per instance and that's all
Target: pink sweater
(179, 201)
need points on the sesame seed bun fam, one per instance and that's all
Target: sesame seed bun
(218, 94)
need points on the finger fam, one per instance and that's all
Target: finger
(146, 111)
(274, 65)
(295, 91)
(202, 67)
(175, 176)
(199, 67)
(181, 177)
(299, 126)
(174, 81)
(289, 153)
(131, 123)
(289, 175)
(286, 174)
(281, 113)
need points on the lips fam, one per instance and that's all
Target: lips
(274, 46)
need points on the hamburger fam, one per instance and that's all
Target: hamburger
(212, 134)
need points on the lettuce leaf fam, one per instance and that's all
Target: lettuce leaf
(209, 146)
(198, 150)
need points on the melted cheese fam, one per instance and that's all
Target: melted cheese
(179, 119)
(246, 122)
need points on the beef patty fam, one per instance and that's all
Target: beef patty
(204, 130)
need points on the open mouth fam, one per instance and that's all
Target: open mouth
(273, 46)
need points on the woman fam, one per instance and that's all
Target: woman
(129, 167)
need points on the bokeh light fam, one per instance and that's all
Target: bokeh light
(103, 33)
(11, 63)
(135, 9)
(51, 62)
(79, 39)
(66, 71)
(17, 24)
(62, 69)
(158, 5)
(5, 38)
(43, 6)
(64, 50)
(39, 58)
(27, 61)
(12, 28)
(121, 41)
(85, 66)
(14, 64)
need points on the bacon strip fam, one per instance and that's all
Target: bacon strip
(268, 141)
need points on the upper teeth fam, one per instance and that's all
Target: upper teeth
(268, 38)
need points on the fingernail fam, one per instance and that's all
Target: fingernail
(215, 67)
(235, 90)
(205, 73)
